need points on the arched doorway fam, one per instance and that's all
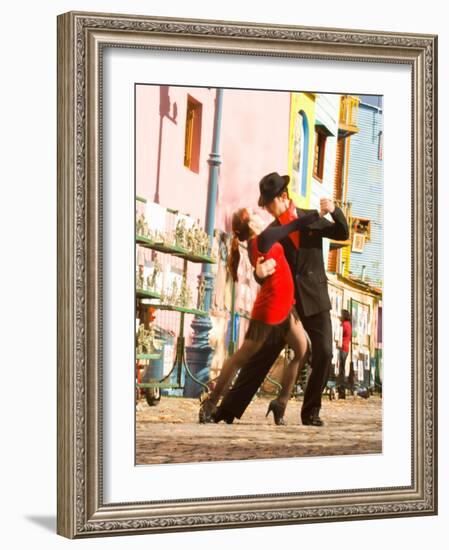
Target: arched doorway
(300, 154)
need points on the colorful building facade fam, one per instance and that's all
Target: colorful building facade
(365, 194)
(355, 267)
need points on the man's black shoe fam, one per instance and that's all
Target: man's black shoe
(313, 420)
(222, 414)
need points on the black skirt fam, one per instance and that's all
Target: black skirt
(270, 334)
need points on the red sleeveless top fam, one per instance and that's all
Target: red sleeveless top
(277, 294)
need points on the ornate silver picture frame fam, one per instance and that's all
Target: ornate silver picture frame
(82, 40)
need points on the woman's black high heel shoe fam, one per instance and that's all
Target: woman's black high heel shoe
(278, 412)
(206, 412)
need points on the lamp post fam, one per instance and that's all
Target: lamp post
(199, 354)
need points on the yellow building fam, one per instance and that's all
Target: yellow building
(301, 146)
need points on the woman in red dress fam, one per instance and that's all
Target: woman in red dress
(273, 315)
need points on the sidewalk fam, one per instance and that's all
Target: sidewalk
(170, 432)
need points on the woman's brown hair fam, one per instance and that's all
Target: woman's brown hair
(240, 232)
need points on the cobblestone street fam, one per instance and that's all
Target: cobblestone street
(170, 432)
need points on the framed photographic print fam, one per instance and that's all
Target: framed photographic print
(245, 336)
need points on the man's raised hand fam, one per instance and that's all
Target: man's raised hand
(326, 206)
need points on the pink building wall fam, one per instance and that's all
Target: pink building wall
(254, 141)
(179, 187)
(255, 133)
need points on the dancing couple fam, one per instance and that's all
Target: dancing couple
(293, 298)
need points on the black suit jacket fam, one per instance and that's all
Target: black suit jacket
(307, 264)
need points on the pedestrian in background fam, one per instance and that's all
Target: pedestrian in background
(343, 351)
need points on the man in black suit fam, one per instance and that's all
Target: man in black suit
(312, 301)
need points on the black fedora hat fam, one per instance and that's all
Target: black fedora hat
(270, 186)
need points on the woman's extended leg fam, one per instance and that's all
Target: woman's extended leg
(296, 339)
(230, 367)
(228, 371)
